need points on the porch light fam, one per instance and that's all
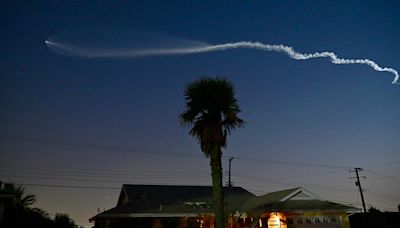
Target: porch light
(274, 221)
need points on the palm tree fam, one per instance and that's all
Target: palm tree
(211, 112)
(22, 200)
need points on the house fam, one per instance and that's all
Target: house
(171, 206)
(191, 206)
(297, 208)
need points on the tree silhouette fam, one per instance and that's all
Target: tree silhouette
(21, 199)
(21, 214)
(211, 112)
(62, 220)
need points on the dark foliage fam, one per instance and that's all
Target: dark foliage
(63, 221)
(21, 214)
(26, 217)
(375, 219)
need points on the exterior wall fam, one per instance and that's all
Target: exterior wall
(317, 220)
(296, 220)
(262, 220)
(178, 222)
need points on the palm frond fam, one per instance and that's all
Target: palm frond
(28, 200)
(211, 111)
(21, 199)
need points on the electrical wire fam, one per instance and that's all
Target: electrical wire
(90, 146)
(335, 111)
(338, 123)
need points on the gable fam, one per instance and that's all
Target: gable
(300, 194)
(298, 197)
(292, 200)
(123, 197)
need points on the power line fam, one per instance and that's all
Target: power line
(101, 180)
(352, 102)
(310, 175)
(65, 169)
(390, 198)
(276, 162)
(267, 180)
(84, 186)
(338, 123)
(332, 113)
(359, 204)
(91, 146)
(164, 153)
(80, 174)
(160, 175)
(68, 186)
(169, 153)
(395, 177)
(296, 184)
(384, 164)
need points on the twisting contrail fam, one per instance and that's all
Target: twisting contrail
(106, 53)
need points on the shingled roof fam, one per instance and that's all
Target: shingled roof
(140, 201)
(293, 200)
(172, 201)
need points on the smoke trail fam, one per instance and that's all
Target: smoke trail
(101, 53)
(290, 52)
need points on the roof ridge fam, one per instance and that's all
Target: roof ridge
(167, 185)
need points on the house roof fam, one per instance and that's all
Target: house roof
(292, 200)
(283, 195)
(167, 200)
(302, 206)
(193, 201)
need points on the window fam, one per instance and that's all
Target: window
(289, 221)
(317, 220)
(333, 220)
(299, 221)
(308, 220)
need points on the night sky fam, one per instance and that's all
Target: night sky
(74, 129)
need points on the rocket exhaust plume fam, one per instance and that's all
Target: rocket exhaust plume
(200, 47)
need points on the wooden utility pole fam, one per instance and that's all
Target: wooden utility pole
(358, 183)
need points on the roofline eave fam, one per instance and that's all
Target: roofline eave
(153, 215)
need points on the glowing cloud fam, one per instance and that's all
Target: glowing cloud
(199, 47)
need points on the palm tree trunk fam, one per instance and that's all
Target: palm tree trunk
(216, 174)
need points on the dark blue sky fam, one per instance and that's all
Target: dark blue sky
(87, 122)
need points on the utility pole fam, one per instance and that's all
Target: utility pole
(230, 181)
(358, 183)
